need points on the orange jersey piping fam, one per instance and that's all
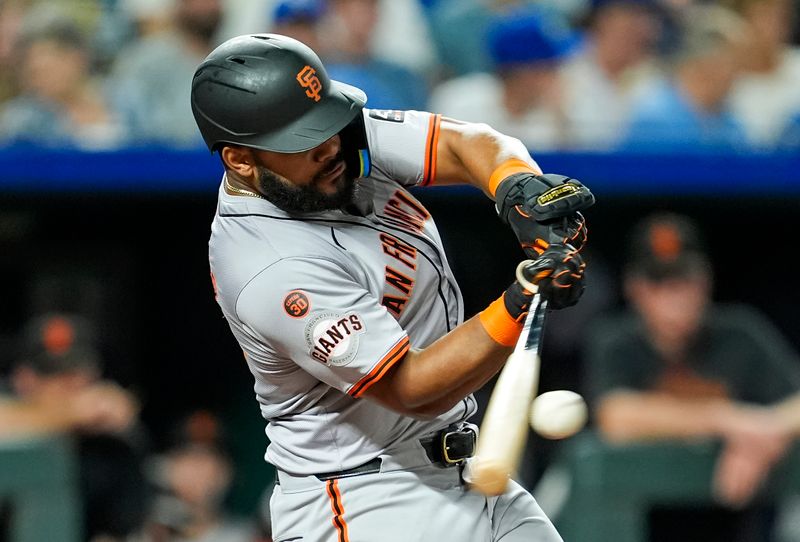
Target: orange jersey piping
(395, 354)
(429, 171)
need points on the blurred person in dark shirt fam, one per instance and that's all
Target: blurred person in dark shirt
(57, 387)
(676, 364)
(192, 478)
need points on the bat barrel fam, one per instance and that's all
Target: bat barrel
(504, 430)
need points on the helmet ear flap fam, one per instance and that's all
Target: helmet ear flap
(355, 148)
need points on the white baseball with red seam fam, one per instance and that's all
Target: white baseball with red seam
(558, 414)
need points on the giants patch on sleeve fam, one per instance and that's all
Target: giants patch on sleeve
(391, 115)
(332, 338)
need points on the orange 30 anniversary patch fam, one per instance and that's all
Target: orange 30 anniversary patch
(296, 304)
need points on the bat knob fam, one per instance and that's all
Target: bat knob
(487, 477)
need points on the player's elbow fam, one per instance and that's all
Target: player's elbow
(427, 411)
(469, 135)
(406, 405)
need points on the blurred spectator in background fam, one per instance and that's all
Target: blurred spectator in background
(522, 96)
(298, 19)
(690, 111)
(12, 12)
(790, 135)
(264, 516)
(677, 365)
(766, 93)
(616, 61)
(347, 36)
(458, 31)
(60, 102)
(143, 19)
(402, 36)
(57, 387)
(158, 68)
(193, 478)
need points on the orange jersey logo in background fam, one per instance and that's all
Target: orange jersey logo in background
(307, 77)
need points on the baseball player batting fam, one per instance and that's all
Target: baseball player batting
(334, 281)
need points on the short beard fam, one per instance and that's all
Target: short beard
(304, 199)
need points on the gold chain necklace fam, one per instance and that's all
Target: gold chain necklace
(241, 191)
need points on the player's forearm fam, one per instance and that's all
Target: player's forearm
(431, 381)
(788, 411)
(472, 153)
(625, 416)
(452, 398)
(19, 418)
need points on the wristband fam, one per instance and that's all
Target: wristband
(507, 168)
(499, 324)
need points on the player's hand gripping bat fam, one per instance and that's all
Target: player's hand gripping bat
(504, 430)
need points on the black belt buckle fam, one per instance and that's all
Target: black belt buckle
(458, 445)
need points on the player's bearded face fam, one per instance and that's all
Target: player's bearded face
(308, 197)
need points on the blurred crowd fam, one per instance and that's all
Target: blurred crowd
(636, 75)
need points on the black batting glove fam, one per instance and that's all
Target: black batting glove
(559, 275)
(543, 210)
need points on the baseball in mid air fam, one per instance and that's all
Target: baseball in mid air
(558, 414)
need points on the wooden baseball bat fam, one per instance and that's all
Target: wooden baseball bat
(504, 429)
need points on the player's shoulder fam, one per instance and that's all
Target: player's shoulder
(395, 119)
(263, 254)
(737, 318)
(271, 236)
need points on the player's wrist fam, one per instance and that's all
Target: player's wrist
(507, 169)
(722, 418)
(499, 322)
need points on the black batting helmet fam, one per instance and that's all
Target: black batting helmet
(269, 92)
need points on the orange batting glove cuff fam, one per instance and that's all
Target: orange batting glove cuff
(499, 324)
(508, 168)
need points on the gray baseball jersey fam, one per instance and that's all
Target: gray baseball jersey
(324, 304)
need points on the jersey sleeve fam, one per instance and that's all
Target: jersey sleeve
(313, 312)
(402, 145)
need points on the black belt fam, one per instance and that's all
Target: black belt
(450, 446)
(447, 448)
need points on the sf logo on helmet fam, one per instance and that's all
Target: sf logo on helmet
(307, 77)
